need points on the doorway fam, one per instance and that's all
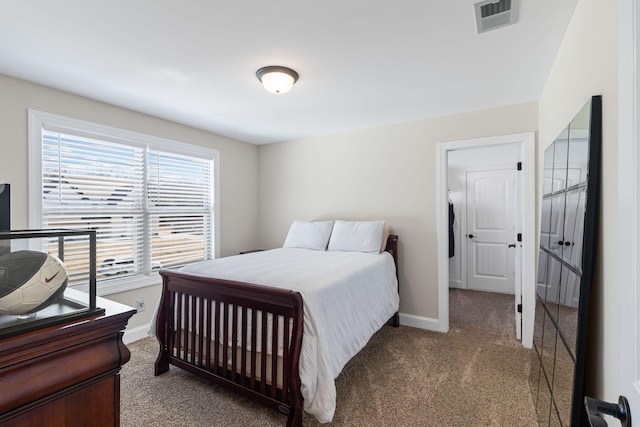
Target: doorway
(493, 255)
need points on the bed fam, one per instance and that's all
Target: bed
(277, 326)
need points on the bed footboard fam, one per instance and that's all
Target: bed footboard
(242, 336)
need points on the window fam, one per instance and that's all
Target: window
(150, 200)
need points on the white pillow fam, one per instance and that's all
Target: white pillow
(356, 236)
(309, 235)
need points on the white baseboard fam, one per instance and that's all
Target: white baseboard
(135, 334)
(428, 323)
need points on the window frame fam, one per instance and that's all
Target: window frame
(39, 121)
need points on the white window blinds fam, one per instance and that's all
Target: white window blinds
(98, 185)
(151, 208)
(179, 208)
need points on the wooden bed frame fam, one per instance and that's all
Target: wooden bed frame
(193, 308)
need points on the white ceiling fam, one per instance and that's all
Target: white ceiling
(361, 63)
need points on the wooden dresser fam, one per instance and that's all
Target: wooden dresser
(65, 375)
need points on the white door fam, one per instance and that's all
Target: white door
(491, 245)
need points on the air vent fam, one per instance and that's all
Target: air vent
(492, 14)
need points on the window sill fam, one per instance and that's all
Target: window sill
(124, 284)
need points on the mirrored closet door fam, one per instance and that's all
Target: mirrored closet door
(568, 241)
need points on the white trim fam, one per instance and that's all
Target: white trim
(628, 303)
(96, 130)
(117, 285)
(136, 334)
(216, 203)
(428, 323)
(529, 240)
(442, 237)
(39, 120)
(527, 144)
(489, 167)
(34, 204)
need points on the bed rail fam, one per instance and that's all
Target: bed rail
(242, 336)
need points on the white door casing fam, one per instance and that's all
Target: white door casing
(490, 230)
(519, 262)
(527, 252)
(629, 210)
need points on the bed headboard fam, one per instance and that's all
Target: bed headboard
(392, 248)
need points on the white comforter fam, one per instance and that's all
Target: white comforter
(347, 297)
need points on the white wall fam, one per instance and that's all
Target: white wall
(238, 164)
(586, 65)
(386, 172)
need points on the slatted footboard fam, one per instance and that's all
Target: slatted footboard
(239, 335)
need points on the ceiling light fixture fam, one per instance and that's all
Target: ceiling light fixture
(277, 79)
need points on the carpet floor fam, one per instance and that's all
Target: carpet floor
(475, 375)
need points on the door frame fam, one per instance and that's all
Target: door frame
(529, 238)
(628, 299)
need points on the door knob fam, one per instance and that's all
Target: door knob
(470, 236)
(595, 408)
(513, 245)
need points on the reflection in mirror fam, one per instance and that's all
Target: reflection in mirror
(547, 183)
(563, 383)
(541, 288)
(545, 223)
(548, 353)
(569, 288)
(556, 242)
(539, 321)
(578, 236)
(568, 310)
(555, 418)
(578, 156)
(573, 218)
(553, 283)
(560, 153)
(544, 402)
(534, 376)
(568, 239)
